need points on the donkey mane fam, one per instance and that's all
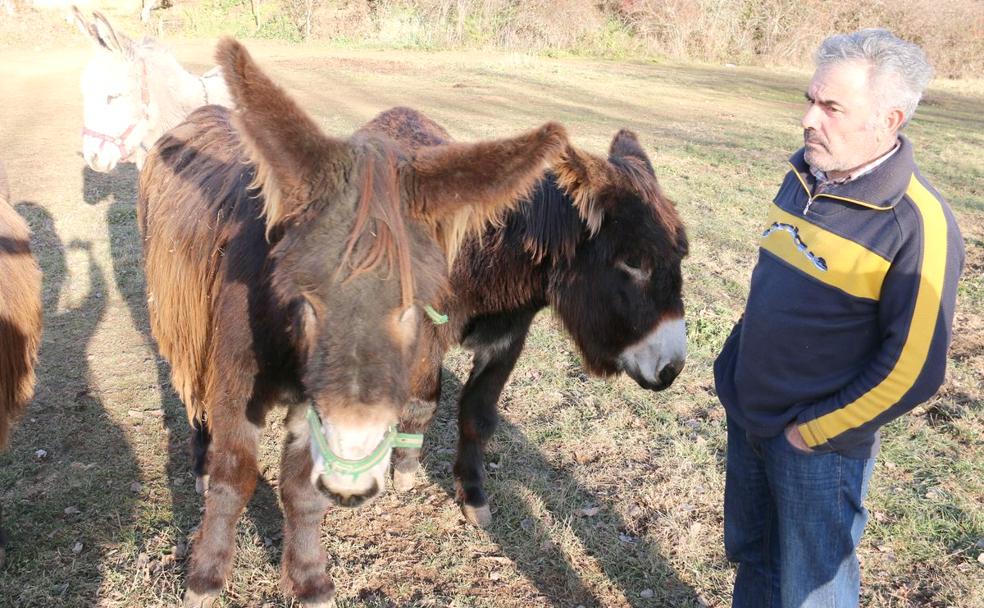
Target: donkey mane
(379, 234)
(555, 225)
(550, 228)
(380, 215)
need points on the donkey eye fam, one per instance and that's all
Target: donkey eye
(634, 268)
(633, 262)
(111, 98)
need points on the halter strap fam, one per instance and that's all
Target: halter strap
(201, 79)
(120, 140)
(212, 73)
(435, 317)
(355, 468)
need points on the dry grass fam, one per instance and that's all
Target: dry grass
(605, 495)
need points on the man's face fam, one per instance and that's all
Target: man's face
(843, 127)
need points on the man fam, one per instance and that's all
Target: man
(846, 327)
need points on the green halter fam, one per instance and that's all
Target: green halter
(435, 317)
(355, 468)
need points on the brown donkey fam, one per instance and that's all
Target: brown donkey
(599, 242)
(20, 318)
(286, 266)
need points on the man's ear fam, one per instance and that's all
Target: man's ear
(894, 119)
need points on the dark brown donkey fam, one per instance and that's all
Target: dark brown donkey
(286, 266)
(20, 318)
(599, 242)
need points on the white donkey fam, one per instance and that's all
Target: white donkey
(134, 92)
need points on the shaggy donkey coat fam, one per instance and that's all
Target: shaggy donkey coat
(287, 266)
(599, 242)
(20, 317)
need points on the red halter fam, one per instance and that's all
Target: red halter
(120, 140)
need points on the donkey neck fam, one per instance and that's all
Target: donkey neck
(512, 266)
(547, 226)
(174, 91)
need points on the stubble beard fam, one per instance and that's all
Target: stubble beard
(818, 155)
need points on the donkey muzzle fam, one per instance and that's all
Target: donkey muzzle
(350, 501)
(655, 361)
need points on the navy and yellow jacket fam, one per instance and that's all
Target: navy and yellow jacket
(850, 307)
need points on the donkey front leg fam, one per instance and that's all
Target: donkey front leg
(200, 439)
(304, 560)
(497, 342)
(416, 418)
(406, 461)
(233, 470)
(425, 390)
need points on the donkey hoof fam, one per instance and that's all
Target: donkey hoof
(321, 604)
(199, 600)
(404, 481)
(477, 516)
(201, 484)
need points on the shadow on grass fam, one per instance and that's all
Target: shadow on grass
(120, 189)
(627, 563)
(71, 501)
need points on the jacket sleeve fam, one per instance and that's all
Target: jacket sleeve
(915, 318)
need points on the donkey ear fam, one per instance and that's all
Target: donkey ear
(84, 26)
(626, 145)
(107, 36)
(460, 188)
(286, 146)
(586, 178)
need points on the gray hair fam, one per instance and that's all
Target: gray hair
(899, 69)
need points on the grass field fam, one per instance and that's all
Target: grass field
(604, 494)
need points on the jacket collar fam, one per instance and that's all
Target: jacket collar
(880, 189)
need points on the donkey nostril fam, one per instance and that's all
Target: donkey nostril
(669, 373)
(352, 500)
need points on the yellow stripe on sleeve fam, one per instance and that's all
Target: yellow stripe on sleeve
(920, 336)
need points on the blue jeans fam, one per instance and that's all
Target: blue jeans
(792, 521)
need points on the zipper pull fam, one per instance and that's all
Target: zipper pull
(808, 203)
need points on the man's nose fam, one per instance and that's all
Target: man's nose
(810, 118)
